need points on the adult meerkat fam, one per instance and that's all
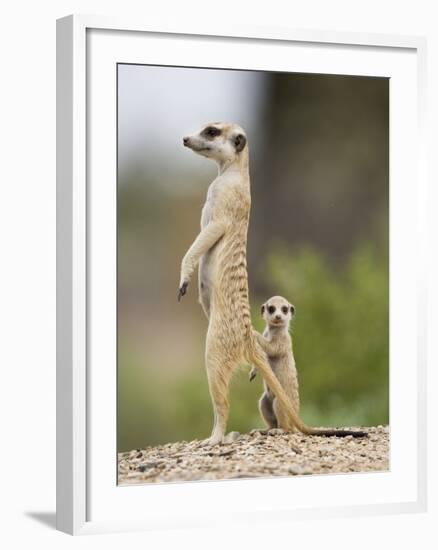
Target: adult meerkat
(220, 250)
(276, 342)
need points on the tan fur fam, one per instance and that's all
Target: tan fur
(220, 249)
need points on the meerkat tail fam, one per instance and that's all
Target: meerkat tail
(263, 366)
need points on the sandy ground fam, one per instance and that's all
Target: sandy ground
(257, 454)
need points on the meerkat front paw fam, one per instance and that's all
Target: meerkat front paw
(182, 290)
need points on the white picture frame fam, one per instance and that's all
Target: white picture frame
(81, 431)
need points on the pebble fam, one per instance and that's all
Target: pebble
(231, 437)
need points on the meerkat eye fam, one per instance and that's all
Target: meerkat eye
(211, 131)
(285, 310)
(271, 309)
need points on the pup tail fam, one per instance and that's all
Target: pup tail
(258, 358)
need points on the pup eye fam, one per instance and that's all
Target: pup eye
(211, 131)
(271, 309)
(285, 310)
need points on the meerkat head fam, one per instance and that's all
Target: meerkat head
(277, 312)
(219, 141)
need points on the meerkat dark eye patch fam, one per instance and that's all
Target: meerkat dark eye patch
(211, 132)
(239, 142)
(271, 309)
(285, 310)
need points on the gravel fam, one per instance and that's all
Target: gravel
(257, 454)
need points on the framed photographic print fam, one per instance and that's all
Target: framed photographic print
(240, 275)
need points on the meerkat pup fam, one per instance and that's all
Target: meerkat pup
(220, 251)
(277, 344)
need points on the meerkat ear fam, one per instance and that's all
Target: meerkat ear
(239, 142)
(262, 309)
(292, 310)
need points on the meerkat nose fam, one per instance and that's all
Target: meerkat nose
(185, 140)
(278, 317)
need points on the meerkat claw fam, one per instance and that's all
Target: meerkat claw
(182, 290)
(252, 375)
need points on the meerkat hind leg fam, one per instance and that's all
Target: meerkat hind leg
(218, 380)
(267, 411)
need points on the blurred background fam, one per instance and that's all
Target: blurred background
(319, 161)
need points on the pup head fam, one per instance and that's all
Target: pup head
(219, 141)
(277, 311)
